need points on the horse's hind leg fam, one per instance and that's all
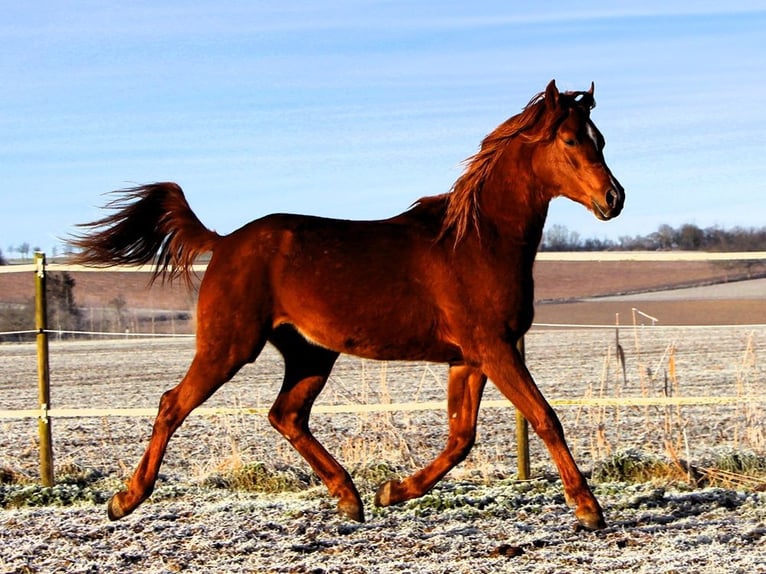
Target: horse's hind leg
(464, 390)
(307, 368)
(213, 365)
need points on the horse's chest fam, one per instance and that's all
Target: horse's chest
(508, 300)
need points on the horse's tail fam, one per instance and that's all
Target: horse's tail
(151, 224)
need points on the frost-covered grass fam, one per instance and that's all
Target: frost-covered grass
(460, 526)
(234, 497)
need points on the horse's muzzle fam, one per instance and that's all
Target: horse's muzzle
(614, 199)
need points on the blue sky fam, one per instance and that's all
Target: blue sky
(355, 109)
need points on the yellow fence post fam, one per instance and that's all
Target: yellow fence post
(43, 373)
(522, 432)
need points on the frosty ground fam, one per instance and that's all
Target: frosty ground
(479, 519)
(501, 527)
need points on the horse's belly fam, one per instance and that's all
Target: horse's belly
(387, 341)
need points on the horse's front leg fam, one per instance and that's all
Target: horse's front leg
(505, 367)
(464, 390)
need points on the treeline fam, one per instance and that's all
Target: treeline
(687, 237)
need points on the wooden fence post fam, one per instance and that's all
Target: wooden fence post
(522, 432)
(43, 373)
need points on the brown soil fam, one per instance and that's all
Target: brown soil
(696, 312)
(560, 286)
(566, 280)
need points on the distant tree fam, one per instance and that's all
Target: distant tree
(593, 244)
(663, 238)
(558, 238)
(23, 250)
(742, 239)
(637, 243)
(716, 239)
(690, 237)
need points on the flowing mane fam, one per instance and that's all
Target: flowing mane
(463, 200)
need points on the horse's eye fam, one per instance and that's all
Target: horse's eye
(571, 142)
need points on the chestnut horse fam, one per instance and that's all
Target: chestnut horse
(448, 281)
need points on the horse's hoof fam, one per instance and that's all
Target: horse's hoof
(114, 509)
(591, 521)
(384, 494)
(351, 510)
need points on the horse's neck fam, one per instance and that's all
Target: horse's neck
(513, 202)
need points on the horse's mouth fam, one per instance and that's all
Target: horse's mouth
(604, 213)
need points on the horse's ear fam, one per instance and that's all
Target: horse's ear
(552, 94)
(592, 88)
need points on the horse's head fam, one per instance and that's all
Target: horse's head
(551, 148)
(570, 155)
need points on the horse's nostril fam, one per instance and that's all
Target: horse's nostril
(613, 198)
